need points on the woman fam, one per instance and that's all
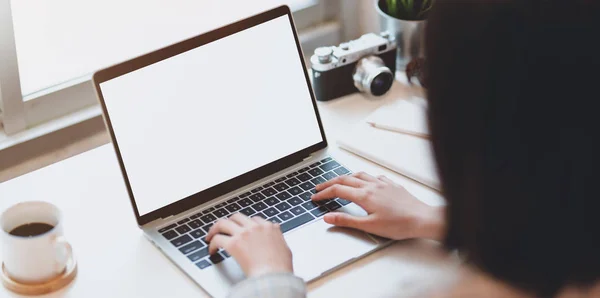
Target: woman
(512, 88)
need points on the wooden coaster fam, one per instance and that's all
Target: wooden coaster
(50, 286)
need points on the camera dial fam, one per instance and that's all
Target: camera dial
(372, 76)
(324, 54)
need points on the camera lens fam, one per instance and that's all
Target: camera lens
(381, 83)
(372, 76)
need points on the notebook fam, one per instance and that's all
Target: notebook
(406, 116)
(404, 153)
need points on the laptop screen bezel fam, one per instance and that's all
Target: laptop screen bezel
(230, 185)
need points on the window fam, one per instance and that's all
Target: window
(58, 44)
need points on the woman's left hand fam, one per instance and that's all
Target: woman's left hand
(257, 245)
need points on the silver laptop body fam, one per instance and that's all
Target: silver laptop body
(260, 155)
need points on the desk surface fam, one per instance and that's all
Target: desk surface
(115, 260)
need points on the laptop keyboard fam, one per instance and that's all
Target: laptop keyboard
(285, 200)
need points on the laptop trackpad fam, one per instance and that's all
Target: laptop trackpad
(319, 247)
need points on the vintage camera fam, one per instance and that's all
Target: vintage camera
(367, 64)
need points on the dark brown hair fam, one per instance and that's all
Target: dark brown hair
(513, 88)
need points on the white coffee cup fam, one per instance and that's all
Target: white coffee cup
(35, 259)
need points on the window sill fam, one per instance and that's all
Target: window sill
(53, 128)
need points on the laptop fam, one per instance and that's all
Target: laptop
(221, 123)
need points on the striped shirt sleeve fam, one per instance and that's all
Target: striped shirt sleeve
(277, 285)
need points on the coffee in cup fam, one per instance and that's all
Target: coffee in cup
(33, 247)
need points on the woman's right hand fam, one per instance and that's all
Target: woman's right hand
(392, 211)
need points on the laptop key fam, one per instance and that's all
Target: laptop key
(295, 190)
(322, 202)
(305, 196)
(329, 175)
(290, 175)
(245, 194)
(280, 186)
(269, 184)
(191, 247)
(285, 216)
(307, 185)
(260, 206)
(233, 207)
(283, 195)
(183, 229)
(341, 171)
(245, 202)
(203, 264)
(304, 177)
(221, 212)
(198, 255)
(208, 210)
(225, 254)
(181, 240)
(197, 233)
(207, 227)
(319, 211)
(269, 192)
(271, 212)
(257, 197)
(324, 160)
(183, 221)
(194, 224)
(216, 258)
(256, 189)
(329, 166)
(247, 211)
(221, 205)
(303, 170)
(309, 205)
(296, 222)
(316, 171)
(232, 200)
(318, 180)
(271, 201)
(333, 205)
(297, 210)
(295, 201)
(292, 182)
(315, 164)
(343, 202)
(283, 206)
(280, 179)
(274, 220)
(170, 234)
(208, 218)
(167, 228)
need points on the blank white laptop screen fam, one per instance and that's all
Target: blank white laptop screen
(210, 114)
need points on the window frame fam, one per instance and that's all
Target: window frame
(18, 112)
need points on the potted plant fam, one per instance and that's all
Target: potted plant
(405, 19)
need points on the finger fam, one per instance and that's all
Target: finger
(218, 241)
(386, 179)
(259, 220)
(223, 226)
(340, 191)
(364, 176)
(343, 180)
(242, 220)
(345, 220)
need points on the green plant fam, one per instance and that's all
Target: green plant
(408, 9)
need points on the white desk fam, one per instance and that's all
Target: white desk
(115, 260)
